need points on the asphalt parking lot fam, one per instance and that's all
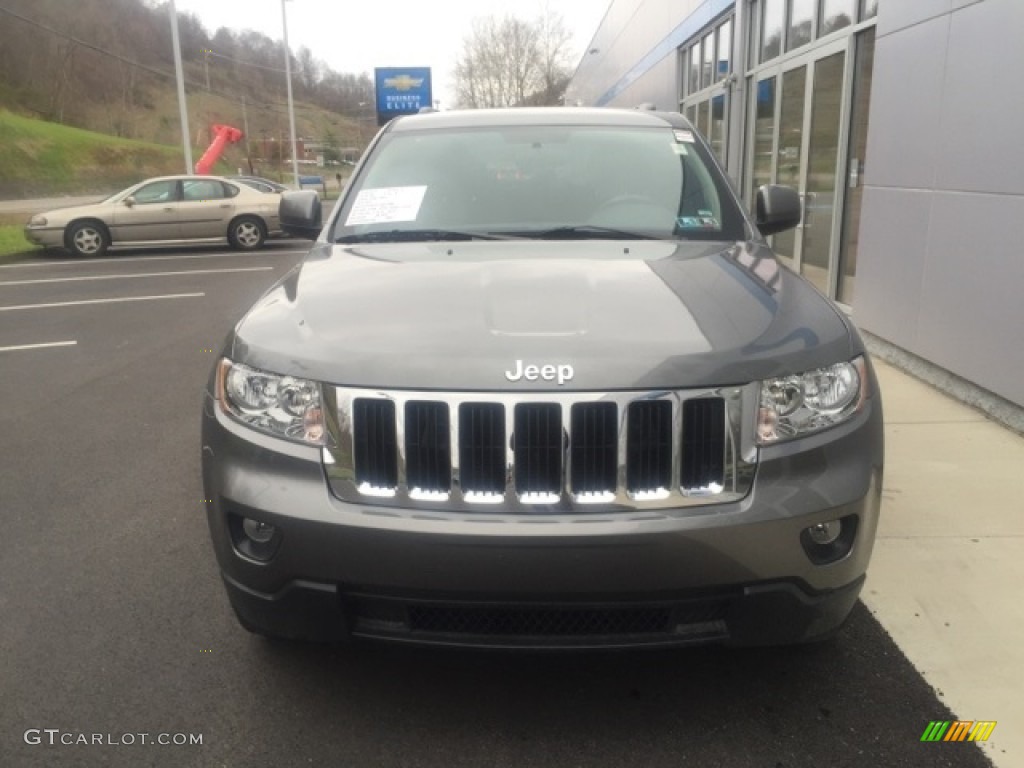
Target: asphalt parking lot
(115, 623)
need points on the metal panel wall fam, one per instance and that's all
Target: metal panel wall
(941, 270)
(635, 56)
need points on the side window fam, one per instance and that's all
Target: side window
(203, 189)
(230, 190)
(157, 192)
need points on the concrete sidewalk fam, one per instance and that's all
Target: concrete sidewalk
(948, 566)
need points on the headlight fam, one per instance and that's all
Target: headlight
(793, 406)
(283, 406)
(37, 221)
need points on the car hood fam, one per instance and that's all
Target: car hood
(624, 315)
(64, 215)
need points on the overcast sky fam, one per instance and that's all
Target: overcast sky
(358, 35)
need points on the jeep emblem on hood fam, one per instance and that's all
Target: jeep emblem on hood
(559, 373)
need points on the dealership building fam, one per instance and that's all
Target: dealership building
(901, 125)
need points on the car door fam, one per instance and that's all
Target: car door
(206, 208)
(149, 213)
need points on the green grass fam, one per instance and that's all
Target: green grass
(13, 242)
(42, 158)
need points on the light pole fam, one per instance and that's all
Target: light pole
(186, 142)
(291, 105)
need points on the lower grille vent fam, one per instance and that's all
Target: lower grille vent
(515, 624)
(527, 622)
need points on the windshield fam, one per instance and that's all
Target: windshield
(561, 181)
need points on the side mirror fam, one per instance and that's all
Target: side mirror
(778, 209)
(129, 201)
(301, 214)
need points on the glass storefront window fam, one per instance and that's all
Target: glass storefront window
(855, 170)
(753, 26)
(868, 8)
(835, 14)
(708, 47)
(694, 69)
(764, 131)
(790, 153)
(821, 169)
(771, 29)
(724, 50)
(702, 117)
(801, 23)
(717, 135)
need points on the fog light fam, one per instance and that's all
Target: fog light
(253, 538)
(260, 532)
(823, 533)
(829, 541)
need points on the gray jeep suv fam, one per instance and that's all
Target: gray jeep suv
(542, 383)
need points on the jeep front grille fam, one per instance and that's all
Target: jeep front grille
(539, 453)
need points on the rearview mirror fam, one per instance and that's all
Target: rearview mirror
(778, 209)
(300, 214)
(129, 201)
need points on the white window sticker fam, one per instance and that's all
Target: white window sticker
(686, 136)
(386, 205)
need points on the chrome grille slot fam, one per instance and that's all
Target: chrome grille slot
(703, 448)
(649, 448)
(488, 454)
(375, 447)
(482, 449)
(538, 452)
(428, 462)
(593, 451)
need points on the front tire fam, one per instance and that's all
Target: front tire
(247, 233)
(87, 238)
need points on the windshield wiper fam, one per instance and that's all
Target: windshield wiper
(417, 235)
(586, 231)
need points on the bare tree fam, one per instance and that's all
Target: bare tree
(510, 62)
(556, 62)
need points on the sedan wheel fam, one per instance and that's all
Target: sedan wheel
(247, 234)
(87, 239)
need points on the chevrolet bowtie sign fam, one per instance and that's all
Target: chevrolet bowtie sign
(403, 82)
(401, 91)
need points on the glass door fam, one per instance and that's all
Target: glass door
(819, 182)
(855, 165)
(789, 157)
(798, 140)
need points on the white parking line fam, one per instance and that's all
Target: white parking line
(137, 274)
(87, 262)
(102, 301)
(39, 346)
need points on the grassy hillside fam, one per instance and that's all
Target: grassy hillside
(41, 158)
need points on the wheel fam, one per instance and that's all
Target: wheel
(247, 233)
(87, 238)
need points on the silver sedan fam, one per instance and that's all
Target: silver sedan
(162, 211)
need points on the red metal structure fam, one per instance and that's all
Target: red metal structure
(223, 135)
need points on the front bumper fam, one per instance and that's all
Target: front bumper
(48, 237)
(734, 572)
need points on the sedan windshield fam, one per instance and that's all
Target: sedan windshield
(549, 182)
